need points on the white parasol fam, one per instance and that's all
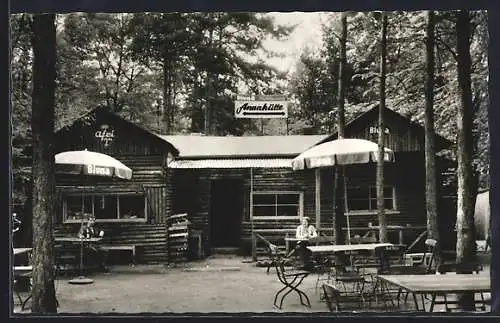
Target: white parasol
(341, 152)
(89, 163)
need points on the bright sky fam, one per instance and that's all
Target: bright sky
(306, 34)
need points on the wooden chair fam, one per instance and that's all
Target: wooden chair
(290, 279)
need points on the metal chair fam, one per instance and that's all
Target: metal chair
(291, 280)
(337, 299)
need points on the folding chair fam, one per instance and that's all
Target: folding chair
(291, 280)
(323, 267)
(271, 262)
(337, 299)
(350, 278)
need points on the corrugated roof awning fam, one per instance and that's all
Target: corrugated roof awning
(232, 163)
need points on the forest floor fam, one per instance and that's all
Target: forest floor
(217, 284)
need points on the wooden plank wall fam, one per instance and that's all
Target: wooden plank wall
(198, 191)
(148, 176)
(407, 174)
(401, 137)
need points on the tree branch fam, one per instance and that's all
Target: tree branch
(446, 46)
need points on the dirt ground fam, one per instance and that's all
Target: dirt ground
(229, 285)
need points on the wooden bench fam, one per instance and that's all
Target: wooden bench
(132, 248)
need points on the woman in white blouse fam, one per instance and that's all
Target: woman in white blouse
(304, 232)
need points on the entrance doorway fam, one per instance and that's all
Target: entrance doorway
(226, 208)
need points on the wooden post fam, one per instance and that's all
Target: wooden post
(254, 240)
(287, 244)
(318, 199)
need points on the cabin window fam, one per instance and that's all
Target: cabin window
(277, 205)
(364, 198)
(106, 208)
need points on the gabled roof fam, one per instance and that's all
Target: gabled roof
(82, 120)
(199, 146)
(441, 142)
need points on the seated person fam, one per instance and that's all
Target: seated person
(87, 229)
(306, 232)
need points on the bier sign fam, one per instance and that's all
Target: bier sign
(261, 107)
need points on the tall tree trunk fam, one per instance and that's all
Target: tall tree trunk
(197, 114)
(494, 167)
(340, 219)
(208, 106)
(167, 94)
(382, 220)
(467, 190)
(42, 124)
(430, 149)
(209, 94)
(342, 64)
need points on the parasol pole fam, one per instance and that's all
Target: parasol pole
(81, 229)
(334, 203)
(254, 243)
(82, 280)
(346, 207)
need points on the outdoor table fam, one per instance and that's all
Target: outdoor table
(332, 249)
(399, 228)
(76, 239)
(18, 251)
(435, 285)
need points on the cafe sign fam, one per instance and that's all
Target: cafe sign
(105, 134)
(261, 107)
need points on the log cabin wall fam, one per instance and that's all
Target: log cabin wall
(141, 151)
(402, 135)
(193, 195)
(407, 174)
(407, 180)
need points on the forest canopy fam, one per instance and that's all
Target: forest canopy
(177, 73)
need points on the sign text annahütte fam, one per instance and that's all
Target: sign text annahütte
(260, 109)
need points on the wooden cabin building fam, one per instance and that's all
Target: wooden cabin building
(231, 187)
(129, 212)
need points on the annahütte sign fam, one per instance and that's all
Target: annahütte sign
(261, 109)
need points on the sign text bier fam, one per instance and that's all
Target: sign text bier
(261, 109)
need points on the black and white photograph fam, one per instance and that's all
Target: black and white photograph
(250, 162)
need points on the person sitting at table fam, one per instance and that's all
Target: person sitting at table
(305, 232)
